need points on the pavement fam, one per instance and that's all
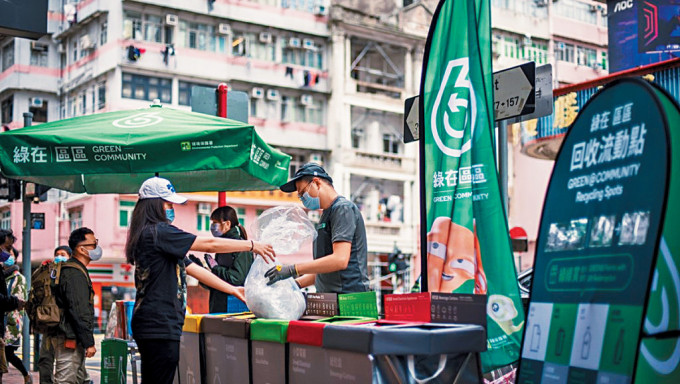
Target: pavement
(92, 364)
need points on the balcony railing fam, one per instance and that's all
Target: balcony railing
(382, 161)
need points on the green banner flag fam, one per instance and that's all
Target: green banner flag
(468, 249)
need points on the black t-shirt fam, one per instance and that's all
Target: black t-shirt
(160, 279)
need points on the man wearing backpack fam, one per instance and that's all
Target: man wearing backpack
(8, 303)
(74, 295)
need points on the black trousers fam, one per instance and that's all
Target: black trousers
(159, 360)
(14, 359)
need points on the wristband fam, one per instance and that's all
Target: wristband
(252, 245)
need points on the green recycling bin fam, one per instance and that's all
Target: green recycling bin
(114, 361)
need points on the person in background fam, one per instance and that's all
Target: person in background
(340, 262)
(8, 302)
(16, 286)
(47, 342)
(230, 267)
(75, 296)
(158, 251)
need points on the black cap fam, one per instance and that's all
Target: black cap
(309, 169)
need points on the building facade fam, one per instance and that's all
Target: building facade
(326, 83)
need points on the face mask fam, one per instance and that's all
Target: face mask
(95, 254)
(59, 259)
(170, 214)
(4, 255)
(9, 262)
(215, 230)
(310, 202)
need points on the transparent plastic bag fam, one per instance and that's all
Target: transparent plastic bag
(285, 227)
(281, 300)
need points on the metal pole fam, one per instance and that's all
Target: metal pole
(222, 90)
(503, 162)
(26, 265)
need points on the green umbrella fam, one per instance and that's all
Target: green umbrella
(115, 152)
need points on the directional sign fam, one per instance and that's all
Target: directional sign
(544, 95)
(411, 126)
(514, 91)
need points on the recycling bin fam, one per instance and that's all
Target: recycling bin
(227, 348)
(412, 353)
(191, 359)
(269, 351)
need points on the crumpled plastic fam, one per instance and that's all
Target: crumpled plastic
(286, 228)
(282, 300)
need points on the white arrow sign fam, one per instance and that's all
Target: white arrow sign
(511, 90)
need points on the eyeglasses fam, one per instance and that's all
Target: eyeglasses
(304, 190)
(96, 242)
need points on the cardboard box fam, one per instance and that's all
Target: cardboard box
(227, 349)
(437, 307)
(269, 354)
(322, 304)
(191, 352)
(363, 304)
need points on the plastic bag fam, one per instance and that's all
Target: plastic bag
(285, 227)
(281, 300)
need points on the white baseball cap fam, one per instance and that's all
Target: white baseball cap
(158, 187)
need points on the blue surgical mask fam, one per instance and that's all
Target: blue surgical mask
(170, 214)
(95, 254)
(310, 202)
(4, 255)
(215, 230)
(10, 261)
(59, 259)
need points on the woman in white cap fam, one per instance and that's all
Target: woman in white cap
(158, 251)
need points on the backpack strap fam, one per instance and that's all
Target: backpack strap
(67, 264)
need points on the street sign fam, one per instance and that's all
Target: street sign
(411, 117)
(37, 220)
(204, 100)
(514, 91)
(543, 93)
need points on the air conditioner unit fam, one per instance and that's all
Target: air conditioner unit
(526, 41)
(559, 45)
(306, 100)
(594, 8)
(316, 158)
(171, 19)
(35, 102)
(265, 37)
(224, 29)
(496, 45)
(40, 47)
(257, 93)
(308, 44)
(320, 10)
(204, 208)
(273, 94)
(86, 42)
(594, 65)
(294, 42)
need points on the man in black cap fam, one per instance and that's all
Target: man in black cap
(340, 258)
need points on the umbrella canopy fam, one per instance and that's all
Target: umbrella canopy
(115, 152)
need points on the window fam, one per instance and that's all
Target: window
(309, 57)
(75, 50)
(262, 50)
(357, 135)
(147, 88)
(313, 113)
(565, 52)
(586, 56)
(72, 106)
(576, 10)
(196, 36)
(82, 103)
(7, 56)
(75, 218)
(391, 143)
(39, 113)
(125, 209)
(6, 219)
(7, 108)
(241, 216)
(103, 30)
(296, 161)
(101, 95)
(286, 110)
(145, 27)
(300, 5)
(239, 44)
(253, 107)
(39, 55)
(203, 222)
